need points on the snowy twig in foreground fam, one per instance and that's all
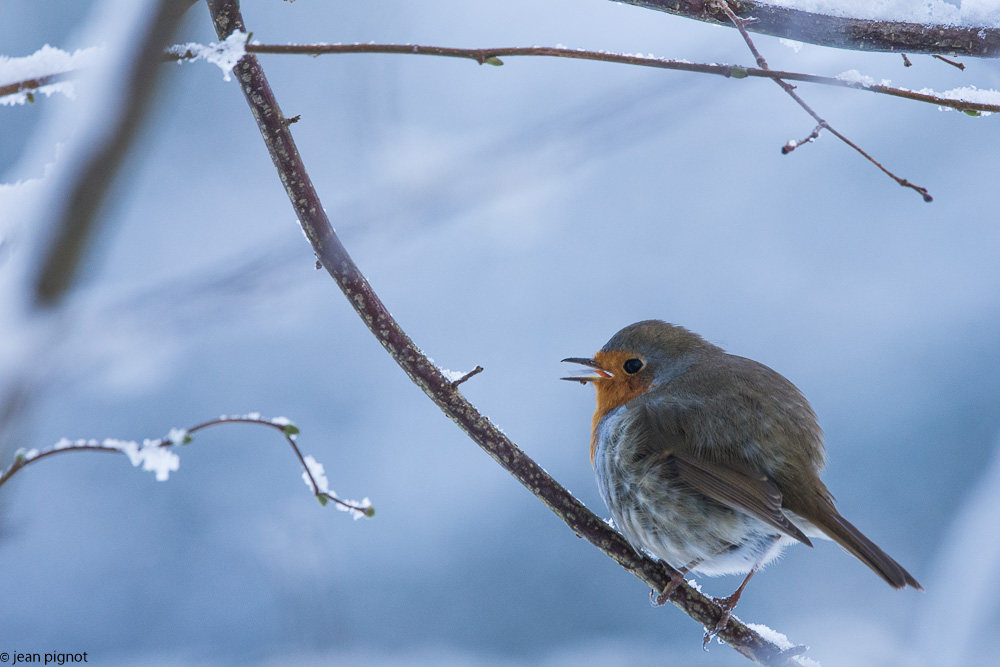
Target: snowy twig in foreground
(740, 24)
(158, 457)
(338, 263)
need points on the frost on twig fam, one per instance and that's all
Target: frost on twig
(315, 479)
(793, 144)
(152, 455)
(225, 54)
(458, 377)
(158, 456)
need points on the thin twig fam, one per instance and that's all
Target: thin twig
(328, 248)
(953, 63)
(729, 71)
(484, 55)
(792, 144)
(790, 89)
(287, 429)
(475, 371)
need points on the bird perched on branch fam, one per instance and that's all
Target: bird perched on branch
(710, 462)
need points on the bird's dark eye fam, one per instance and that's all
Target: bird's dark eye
(632, 366)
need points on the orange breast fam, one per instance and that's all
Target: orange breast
(614, 391)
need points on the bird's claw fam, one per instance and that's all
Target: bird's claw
(659, 599)
(727, 604)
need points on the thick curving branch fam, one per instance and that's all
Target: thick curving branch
(331, 253)
(841, 32)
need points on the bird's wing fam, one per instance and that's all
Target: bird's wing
(736, 486)
(753, 494)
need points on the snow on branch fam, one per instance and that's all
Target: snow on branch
(159, 457)
(48, 70)
(970, 29)
(225, 54)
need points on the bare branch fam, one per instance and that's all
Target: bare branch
(328, 248)
(729, 71)
(792, 145)
(475, 371)
(493, 55)
(741, 24)
(840, 32)
(182, 437)
(953, 63)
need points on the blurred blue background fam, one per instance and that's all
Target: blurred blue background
(508, 217)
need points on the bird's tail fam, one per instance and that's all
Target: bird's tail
(854, 541)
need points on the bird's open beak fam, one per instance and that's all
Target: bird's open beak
(599, 373)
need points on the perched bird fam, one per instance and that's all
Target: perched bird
(710, 462)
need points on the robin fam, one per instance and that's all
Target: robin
(710, 462)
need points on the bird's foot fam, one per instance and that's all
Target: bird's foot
(676, 577)
(727, 604)
(659, 599)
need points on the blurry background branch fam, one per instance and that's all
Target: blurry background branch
(841, 32)
(77, 214)
(334, 257)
